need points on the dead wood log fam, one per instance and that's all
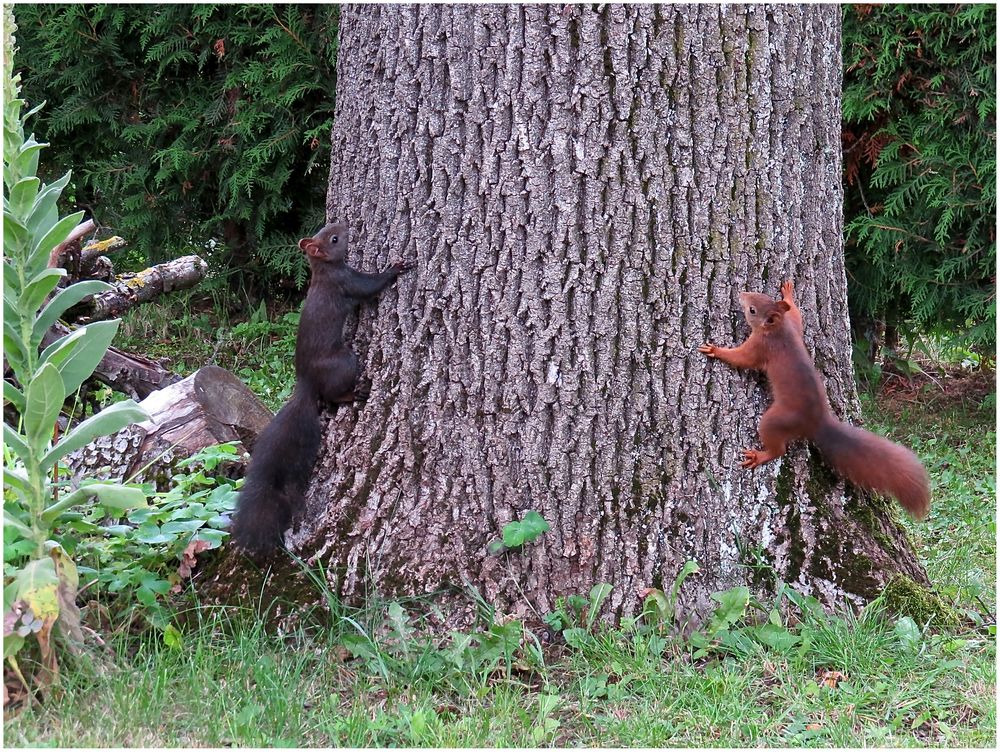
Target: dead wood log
(98, 248)
(211, 406)
(134, 289)
(67, 253)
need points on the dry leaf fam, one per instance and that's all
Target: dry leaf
(831, 678)
(189, 558)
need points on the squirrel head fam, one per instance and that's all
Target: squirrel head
(761, 312)
(328, 245)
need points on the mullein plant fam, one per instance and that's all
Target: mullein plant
(40, 577)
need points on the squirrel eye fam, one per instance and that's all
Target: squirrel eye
(753, 311)
(333, 239)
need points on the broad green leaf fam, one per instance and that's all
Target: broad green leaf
(598, 594)
(181, 526)
(37, 584)
(33, 111)
(14, 351)
(656, 605)
(10, 310)
(81, 362)
(110, 495)
(44, 213)
(12, 523)
(63, 301)
(777, 637)
(15, 478)
(151, 534)
(43, 400)
(51, 513)
(12, 644)
(63, 347)
(15, 238)
(116, 496)
(26, 161)
(11, 286)
(22, 196)
(172, 637)
(9, 595)
(39, 288)
(525, 530)
(59, 232)
(109, 420)
(16, 442)
(576, 637)
(732, 606)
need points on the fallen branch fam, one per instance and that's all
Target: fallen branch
(134, 289)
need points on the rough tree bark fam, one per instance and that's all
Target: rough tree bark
(585, 190)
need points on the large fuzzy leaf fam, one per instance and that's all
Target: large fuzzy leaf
(63, 301)
(43, 399)
(109, 420)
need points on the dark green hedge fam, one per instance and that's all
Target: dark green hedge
(185, 123)
(920, 169)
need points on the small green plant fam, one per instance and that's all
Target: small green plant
(150, 551)
(576, 615)
(40, 577)
(270, 346)
(519, 532)
(657, 608)
(396, 649)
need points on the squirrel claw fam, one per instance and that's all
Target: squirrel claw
(404, 266)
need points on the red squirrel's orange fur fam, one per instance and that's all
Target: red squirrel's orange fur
(800, 409)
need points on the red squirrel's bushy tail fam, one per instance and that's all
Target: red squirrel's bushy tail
(280, 468)
(871, 462)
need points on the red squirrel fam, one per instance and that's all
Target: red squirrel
(326, 372)
(800, 409)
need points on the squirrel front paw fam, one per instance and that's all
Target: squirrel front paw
(404, 266)
(751, 459)
(787, 290)
(708, 349)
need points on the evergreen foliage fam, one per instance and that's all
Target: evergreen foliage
(186, 124)
(920, 140)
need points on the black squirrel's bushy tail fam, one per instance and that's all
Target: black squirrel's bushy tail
(280, 468)
(875, 463)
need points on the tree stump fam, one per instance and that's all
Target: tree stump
(211, 406)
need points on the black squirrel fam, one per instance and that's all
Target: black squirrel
(326, 372)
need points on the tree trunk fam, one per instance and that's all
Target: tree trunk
(585, 190)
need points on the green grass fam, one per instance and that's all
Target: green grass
(231, 682)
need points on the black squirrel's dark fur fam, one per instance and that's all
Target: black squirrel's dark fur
(326, 372)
